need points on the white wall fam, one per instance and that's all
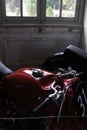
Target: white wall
(84, 34)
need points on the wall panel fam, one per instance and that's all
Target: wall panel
(20, 47)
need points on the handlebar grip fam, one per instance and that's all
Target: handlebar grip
(42, 106)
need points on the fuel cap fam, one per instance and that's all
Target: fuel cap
(37, 73)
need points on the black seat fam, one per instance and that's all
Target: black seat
(76, 57)
(4, 70)
(72, 56)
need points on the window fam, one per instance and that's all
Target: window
(42, 11)
(18, 8)
(58, 8)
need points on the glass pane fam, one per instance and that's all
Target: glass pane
(68, 8)
(53, 8)
(30, 8)
(12, 7)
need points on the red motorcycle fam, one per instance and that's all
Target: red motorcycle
(36, 99)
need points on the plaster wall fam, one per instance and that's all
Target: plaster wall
(29, 46)
(84, 32)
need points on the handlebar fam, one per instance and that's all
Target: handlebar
(52, 98)
(69, 72)
(58, 96)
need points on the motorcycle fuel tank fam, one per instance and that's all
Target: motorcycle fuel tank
(28, 87)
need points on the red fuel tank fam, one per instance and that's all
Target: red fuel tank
(28, 87)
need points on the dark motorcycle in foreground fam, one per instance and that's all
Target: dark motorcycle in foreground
(37, 99)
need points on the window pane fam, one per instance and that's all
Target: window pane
(53, 8)
(30, 8)
(12, 7)
(68, 8)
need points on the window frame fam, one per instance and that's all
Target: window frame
(41, 19)
(79, 6)
(18, 18)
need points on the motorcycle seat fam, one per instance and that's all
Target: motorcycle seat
(76, 57)
(4, 70)
(72, 56)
